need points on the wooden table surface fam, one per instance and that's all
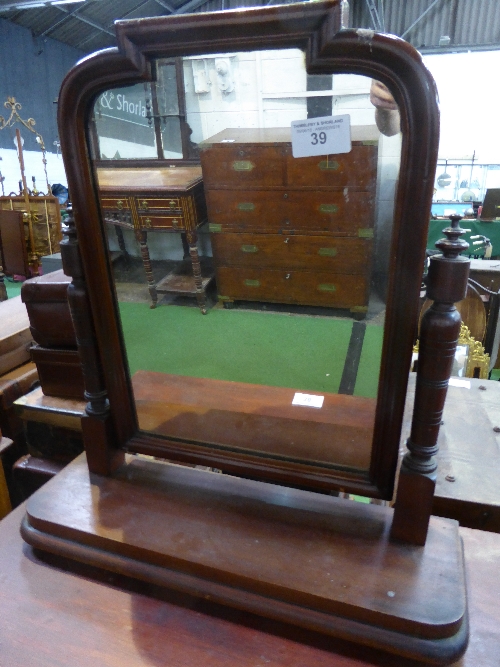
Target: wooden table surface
(55, 617)
(15, 335)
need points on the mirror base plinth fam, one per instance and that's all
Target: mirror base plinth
(316, 561)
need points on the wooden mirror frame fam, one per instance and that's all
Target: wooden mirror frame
(111, 428)
(389, 579)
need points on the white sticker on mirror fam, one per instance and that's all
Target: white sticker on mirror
(455, 382)
(327, 135)
(308, 400)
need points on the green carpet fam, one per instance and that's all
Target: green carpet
(369, 363)
(273, 349)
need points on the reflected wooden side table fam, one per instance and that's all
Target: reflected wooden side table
(163, 199)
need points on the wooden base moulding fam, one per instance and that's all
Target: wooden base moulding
(312, 560)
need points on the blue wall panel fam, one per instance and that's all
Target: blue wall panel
(32, 70)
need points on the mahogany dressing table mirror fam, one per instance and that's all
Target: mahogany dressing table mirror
(265, 536)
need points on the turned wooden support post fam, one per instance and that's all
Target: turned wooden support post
(439, 330)
(98, 433)
(192, 239)
(142, 239)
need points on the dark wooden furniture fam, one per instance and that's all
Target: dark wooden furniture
(55, 352)
(161, 199)
(290, 230)
(466, 485)
(15, 336)
(468, 460)
(13, 385)
(41, 220)
(53, 437)
(46, 301)
(214, 533)
(13, 251)
(237, 415)
(411, 600)
(73, 610)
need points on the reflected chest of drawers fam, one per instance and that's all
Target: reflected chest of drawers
(163, 199)
(291, 230)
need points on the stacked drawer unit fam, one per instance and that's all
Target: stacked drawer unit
(164, 199)
(55, 352)
(161, 199)
(146, 212)
(291, 230)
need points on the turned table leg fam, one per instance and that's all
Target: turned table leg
(121, 245)
(142, 239)
(185, 246)
(195, 261)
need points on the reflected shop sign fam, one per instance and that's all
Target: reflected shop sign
(121, 114)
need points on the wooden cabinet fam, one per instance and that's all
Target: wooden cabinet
(162, 199)
(40, 231)
(291, 230)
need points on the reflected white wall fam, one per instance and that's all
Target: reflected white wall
(469, 101)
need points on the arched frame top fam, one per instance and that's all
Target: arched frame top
(315, 28)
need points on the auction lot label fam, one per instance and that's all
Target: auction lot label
(321, 136)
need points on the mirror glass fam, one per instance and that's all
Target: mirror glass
(291, 254)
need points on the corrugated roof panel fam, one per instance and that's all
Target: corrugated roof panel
(41, 18)
(478, 22)
(469, 23)
(73, 29)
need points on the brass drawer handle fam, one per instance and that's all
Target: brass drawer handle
(144, 205)
(175, 223)
(365, 233)
(213, 227)
(119, 204)
(328, 165)
(148, 222)
(329, 208)
(252, 283)
(327, 252)
(249, 248)
(327, 287)
(243, 165)
(172, 203)
(246, 206)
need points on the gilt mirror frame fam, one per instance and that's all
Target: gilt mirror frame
(316, 28)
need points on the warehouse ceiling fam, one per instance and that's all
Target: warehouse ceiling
(430, 25)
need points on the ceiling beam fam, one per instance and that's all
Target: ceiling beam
(189, 6)
(378, 22)
(83, 19)
(165, 5)
(54, 25)
(145, 2)
(419, 18)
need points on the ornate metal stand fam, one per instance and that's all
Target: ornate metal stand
(30, 215)
(446, 285)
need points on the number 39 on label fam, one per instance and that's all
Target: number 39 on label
(321, 136)
(315, 138)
